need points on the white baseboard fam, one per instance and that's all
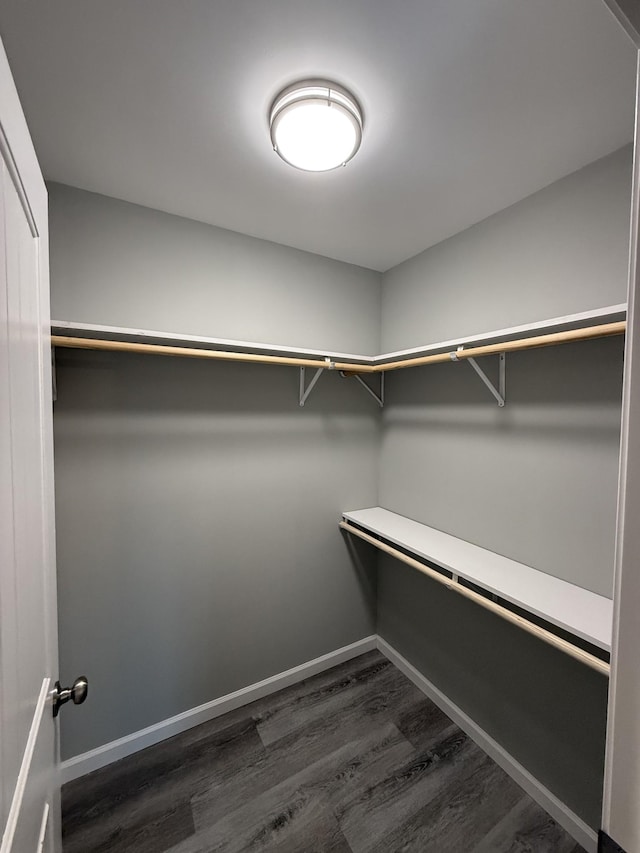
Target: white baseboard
(570, 821)
(109, 752)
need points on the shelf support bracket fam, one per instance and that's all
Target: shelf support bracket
(500, 392)
(379, 398)
(305, 391)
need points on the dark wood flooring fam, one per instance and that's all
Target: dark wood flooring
(355, 760)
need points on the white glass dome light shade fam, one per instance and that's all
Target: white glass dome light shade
(315, 136)
(315, 126)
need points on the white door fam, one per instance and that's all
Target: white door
(29, 792)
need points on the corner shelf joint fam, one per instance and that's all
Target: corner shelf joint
(378, 397)
(305, 390)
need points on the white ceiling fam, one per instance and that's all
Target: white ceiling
(470, 105)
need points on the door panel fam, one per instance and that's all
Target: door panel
(24, 410)
(29, 805)
(9, 752)
(32, 797)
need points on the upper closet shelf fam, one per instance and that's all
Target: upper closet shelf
(601, 322)
(567, 323)
(578, 611)
(570, 322)
(145, 336)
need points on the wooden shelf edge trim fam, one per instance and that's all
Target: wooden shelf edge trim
(588, 333)
(530, 627)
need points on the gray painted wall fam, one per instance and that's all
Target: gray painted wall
(560, 251)
(535, 481)
(120, 264)
(198, 549)
(197, 504)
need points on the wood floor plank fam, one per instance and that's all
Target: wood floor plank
(351, 671)
(367, 817)
(336, 779)
(466, 807)
(138, 790)
(327, 699)
(319, 832)
(288, 804)
(153, 835)
(305, 824)
(420, 721)
(527, 827)
(231, 786)
(347, 769)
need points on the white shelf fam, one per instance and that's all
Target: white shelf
(148, 336)
(565, 605)
(598, 316)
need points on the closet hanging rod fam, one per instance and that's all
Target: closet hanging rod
(191, 352)
(531, 628)
(588, 333)
(553, 339)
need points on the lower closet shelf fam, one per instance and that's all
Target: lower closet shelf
(575, 610)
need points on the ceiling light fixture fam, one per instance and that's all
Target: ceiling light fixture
(315, 125)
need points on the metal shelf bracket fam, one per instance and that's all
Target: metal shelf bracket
(305, 389)
(501, 391)
(304, 392)
(379, 398)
